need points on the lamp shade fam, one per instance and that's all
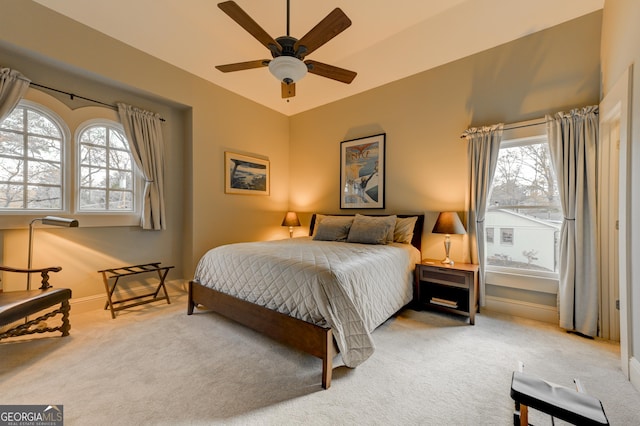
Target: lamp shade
(448, 223)
(291, 219)
(287, 69)
(59, 221)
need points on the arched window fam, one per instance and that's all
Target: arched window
(106, 171)
(32, 156)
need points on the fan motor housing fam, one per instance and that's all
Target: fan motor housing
(287, 43)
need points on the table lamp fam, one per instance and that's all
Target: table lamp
(448, 223)
(291, 220)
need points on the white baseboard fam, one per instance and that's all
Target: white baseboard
(97, 301)
(634, 372)
(518, 308)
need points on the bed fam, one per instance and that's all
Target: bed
(321, 294)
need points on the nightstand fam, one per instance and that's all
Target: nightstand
(448, 288)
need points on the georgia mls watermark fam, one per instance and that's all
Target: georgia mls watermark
(31, 415)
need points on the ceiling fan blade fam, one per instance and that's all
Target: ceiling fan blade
(329, 71)
(245, 21)
(332, 25)
(288, 90)
(239, 66)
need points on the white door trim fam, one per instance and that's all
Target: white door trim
(614, 109)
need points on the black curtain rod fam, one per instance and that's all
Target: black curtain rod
(73, 95)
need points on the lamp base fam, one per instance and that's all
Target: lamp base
(447, 261)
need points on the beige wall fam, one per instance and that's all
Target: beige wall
(203, 121)
(424, 115)
(620, 49)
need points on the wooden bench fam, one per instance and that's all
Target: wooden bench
(124, 271)
(18, 305)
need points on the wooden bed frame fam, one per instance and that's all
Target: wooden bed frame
(307, 337)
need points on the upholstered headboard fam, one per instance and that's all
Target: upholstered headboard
(416, 241)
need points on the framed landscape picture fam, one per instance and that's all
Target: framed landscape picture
(362, 173)
(245, 175)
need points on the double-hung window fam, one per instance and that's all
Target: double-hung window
(523, 215)
(32, 157)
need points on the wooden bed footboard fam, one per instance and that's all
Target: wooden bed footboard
(310, 338)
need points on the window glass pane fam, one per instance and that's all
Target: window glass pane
(11, 143)
(15, 120)
(117, 140)
(44, 172)
(11, 196)
(94, 135)
(120, 160)
(34, 174)
(93, 177)
(93, 199)
(106, 163)
(44, 148)
(44, 197)
(94, 156)
(11, 169)
(489, 232)
(120, 180)
(120, 200)
(40, 125)
(524, 209)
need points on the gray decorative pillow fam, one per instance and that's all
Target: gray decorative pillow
(404, 229)
(333, 228)
(372, 229)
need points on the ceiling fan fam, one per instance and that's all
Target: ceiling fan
(288, 64)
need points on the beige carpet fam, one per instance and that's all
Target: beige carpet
(154, 365)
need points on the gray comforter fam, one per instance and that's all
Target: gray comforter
(352, 288)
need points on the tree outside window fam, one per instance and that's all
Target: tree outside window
(31, 158)
(106, 170)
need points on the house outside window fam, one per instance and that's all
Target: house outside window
(32, 159)
(524, 205)
(106, 180)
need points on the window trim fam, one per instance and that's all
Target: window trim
(529, 279)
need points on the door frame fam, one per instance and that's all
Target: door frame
(614, 108)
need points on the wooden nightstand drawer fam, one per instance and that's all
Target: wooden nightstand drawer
(445, 276)
(449, 288)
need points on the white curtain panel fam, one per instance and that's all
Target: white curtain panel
(13, 86)
(483, 149)
(573, 140)
(144, 132)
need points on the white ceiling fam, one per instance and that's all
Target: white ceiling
(388, 40)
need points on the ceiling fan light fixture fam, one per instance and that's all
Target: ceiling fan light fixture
(287, 69)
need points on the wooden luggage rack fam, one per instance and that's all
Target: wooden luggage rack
(117, 273)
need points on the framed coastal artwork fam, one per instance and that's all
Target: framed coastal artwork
(362, 173)
(245, 175)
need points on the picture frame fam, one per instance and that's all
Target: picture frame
(245, 175)
(362, 172)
